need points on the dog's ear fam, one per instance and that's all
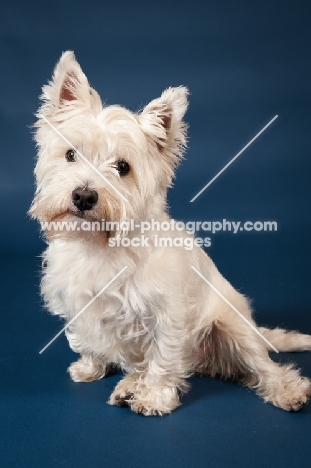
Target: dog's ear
(68, 88)
(162, 121)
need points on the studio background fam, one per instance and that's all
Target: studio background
(243, 62)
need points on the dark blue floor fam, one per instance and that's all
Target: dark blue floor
(49, 421)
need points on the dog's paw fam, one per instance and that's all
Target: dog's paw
(291, 393)
(297, 395)
(87, 369)
(150, 408)
(124, 392)
(150, 401)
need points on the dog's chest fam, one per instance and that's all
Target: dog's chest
(119, 322)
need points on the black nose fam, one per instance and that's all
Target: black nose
(84, 199)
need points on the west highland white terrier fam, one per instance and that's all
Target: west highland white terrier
(159, 312)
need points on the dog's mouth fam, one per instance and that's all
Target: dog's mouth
(85, 215)
(74, 223)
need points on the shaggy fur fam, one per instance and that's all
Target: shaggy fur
(158, 320)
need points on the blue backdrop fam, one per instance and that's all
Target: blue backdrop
(244, 62)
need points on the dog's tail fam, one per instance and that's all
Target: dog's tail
(287, 341)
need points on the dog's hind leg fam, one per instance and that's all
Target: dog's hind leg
(287, 341)
(233, 349)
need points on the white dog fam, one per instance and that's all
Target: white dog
(158, 319)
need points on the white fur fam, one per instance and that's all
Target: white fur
(158, 321)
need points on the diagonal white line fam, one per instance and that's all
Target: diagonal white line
(82, 310)
(235, 310)
(233, 159)
(82, 156)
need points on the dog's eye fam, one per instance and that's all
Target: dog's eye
(123, 168)
(71, 155)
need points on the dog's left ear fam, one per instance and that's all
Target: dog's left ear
(162, 121)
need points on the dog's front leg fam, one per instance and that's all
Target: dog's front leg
(87, 337)
(87, 369)
(90, 366)
(154, 389)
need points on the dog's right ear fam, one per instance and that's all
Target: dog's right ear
(68, 89)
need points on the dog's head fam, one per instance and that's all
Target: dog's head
(103, 162)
